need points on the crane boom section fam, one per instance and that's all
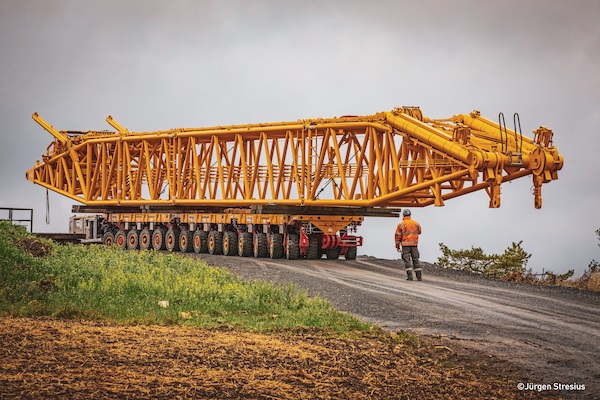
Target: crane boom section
(390, 159)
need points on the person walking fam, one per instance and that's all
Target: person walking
(407, 240)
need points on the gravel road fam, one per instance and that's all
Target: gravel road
(552, 334)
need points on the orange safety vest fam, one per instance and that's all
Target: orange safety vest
(407, 232)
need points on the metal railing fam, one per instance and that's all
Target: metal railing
(15, 216)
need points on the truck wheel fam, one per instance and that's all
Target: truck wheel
(158, 239)
(215, 242)
(276, 245)
(333, 254)
(230, 243)
(185, 241)
(121, 240)
(261, 245)
(351, 253)
(200, 241)
(292, 250)
(108, 239)
(245, 244)
(145, 239)
(133, 240)
(172, 239)
(313, 247)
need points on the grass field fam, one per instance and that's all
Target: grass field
(41, 278)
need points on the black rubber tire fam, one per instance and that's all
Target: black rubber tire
(261, 245)
(230, 243)
(312, 253)
(185, 241)
(108, 239)
(333, 254)
(215, 242)
(133, 240)
(245, 244)
(200, 242)
(145, 239)
(172, 239)
(292, 251)
(351, 253)
(158, 239)
(276, 245)
(121, 240)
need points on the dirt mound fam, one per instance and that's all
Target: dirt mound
(34, 246)
(47, 358)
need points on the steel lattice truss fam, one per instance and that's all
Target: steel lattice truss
(390, 159)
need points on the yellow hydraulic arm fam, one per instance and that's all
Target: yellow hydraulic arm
(390, 159)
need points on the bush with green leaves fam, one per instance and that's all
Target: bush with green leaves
(513, 260)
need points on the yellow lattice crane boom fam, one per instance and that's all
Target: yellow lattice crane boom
(314, 177)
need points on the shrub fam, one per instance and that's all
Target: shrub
(511, 263)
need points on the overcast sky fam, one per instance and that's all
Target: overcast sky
(156, 65)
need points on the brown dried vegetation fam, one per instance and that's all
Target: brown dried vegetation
(48, 358)
(589, 281)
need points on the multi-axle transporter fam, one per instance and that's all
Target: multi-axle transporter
(287, 189)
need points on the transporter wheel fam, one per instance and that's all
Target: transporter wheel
(215, 242)
(185, 241)
(245, 248)
(276, 245)
(200, 239)
(351, 253)
(292, 248)
(121, 240)
(133, 240)
(230, 240)
(312, 253)
(172, 239)
(108, 239)
(261, 245)
(145, 239)
(333, 254)
(158, 239)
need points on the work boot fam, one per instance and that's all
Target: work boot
(409, 275)
(419, 276)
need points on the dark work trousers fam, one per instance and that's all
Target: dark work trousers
(410, 256)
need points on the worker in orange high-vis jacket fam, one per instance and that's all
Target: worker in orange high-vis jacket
(407, 240)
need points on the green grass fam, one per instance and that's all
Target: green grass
(94, 282)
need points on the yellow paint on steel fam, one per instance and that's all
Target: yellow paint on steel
(397, 158)
(61, 137)
(116, 125)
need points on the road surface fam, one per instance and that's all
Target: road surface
(552, 333)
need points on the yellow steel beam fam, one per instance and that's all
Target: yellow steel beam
(116, 125)
(61, 137)
(387, 159)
